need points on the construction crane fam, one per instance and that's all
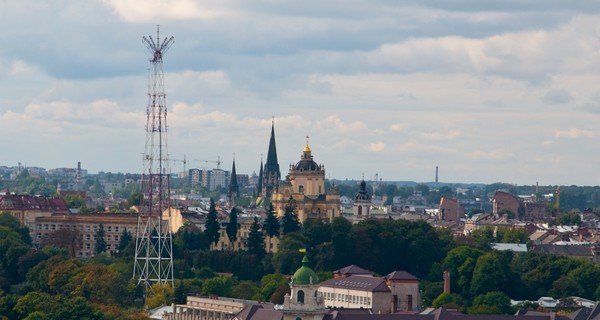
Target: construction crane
(184, 161)
(218, 161)
(556, 193)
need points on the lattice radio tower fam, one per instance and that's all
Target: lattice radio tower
(154, 241)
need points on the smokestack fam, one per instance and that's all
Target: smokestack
(436, 177)
(446, 281)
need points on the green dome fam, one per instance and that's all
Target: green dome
(305, 275)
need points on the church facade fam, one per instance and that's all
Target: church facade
(305, 185)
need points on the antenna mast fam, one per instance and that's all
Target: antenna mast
(154, 241)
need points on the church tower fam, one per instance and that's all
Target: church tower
(233, 185)
(362, 204)
(271, 174)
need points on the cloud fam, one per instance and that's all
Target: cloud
(376, 146)
(153, 10)
(574, 133)
(557, 96)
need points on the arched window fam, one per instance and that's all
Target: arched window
(300, 296)
(359, 210)
(301, 189)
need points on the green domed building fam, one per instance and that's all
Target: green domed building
(305, 275)
(303, 301)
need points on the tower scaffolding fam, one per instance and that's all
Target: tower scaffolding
(154, 238)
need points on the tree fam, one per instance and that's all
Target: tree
(271, 225)
(495, 302)
(212, 224)
(65, 238)
(232, 226)
(244, 290)
(446, 299)
(256, 240)
(100, 245)
(161, 294)
(290, 221)
(489, 274)
(124, 240)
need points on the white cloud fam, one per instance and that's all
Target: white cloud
(159, 10)
(376, 146)
(574, 133)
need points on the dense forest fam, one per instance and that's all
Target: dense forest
(47, 284)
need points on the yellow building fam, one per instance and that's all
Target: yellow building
(305, 183)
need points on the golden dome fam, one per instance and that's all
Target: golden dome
(306, 149)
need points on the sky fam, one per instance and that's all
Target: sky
(488, 91)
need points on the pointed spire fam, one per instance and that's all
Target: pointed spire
(259, 184)
(233, 185)
(272, 175)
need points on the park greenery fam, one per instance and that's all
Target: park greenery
(46, 283)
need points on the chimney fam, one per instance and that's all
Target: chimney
(446, 281)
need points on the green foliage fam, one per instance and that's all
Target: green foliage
(244, 290)
(256, 240)
(568, 219)
(489, 274)
(212, 224)
(161, 294)
(289, 221)
(278, 296)
(446, 300)
(232, 226)
(7, 220)
(100, 245)
(271, 225)
(124, 240)
(497, 301)
(270, 283)
(288, 258)
(220, 286)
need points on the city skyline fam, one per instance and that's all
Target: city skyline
(489, 92)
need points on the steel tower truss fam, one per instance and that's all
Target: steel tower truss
(154, 240)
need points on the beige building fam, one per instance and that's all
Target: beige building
(241, 242)
(305, 184)
(85, 226)
(354, 288)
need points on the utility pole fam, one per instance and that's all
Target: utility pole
(154, 239)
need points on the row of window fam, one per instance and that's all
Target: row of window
(81, 228)
(332, 296)
(87, 237)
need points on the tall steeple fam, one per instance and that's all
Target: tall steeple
(233, 185)
(259, 184)
(272, 175)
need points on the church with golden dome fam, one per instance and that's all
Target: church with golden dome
(305, 184)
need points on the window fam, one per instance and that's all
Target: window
(109, 229)
(52, 227)
(45, 227)
(116, 238)
(39, 227)
(87, 228)
(116, 228)
(301, 189)
(300, 296)
(87, 237)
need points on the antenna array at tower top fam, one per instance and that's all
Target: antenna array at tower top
(157, 48)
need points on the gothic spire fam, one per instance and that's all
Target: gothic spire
(233, 185)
